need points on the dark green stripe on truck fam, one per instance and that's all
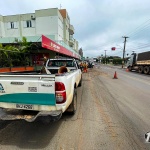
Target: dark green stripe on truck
(29, 98)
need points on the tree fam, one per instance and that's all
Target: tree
(117, 61)
(15, 55)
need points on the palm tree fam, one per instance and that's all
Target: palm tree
(15, 55)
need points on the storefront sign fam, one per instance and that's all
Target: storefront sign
(53, 46)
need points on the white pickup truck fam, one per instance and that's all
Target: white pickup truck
(31, 95)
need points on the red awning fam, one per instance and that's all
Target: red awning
(53, 46)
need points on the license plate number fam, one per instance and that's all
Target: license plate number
(22, 106)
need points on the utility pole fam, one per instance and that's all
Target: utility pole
(125, 39)
(105, 56)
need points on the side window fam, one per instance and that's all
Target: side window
(76, 64)
(71, 64)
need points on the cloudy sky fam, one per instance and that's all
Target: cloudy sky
(99, 24)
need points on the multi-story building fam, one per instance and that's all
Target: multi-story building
(53, 23)
(81, 52)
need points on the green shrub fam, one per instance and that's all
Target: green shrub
(117, 61)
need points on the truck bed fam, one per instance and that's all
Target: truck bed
(143, 56)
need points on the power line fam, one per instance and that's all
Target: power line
(138, 27)
(132, 33)
(139, 32)
(144, 26)
(140, 46)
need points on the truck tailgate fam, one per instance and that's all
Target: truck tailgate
(28, 89)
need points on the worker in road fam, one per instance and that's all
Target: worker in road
(81, 66)
(85, 67)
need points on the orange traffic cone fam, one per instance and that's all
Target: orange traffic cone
(127, 70)
(115, 75)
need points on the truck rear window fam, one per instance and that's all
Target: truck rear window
(59, 63)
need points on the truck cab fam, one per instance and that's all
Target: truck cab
(131, 62)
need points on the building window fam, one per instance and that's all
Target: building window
(29, 23)
(12, 25)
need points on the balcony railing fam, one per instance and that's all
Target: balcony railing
(71, 29)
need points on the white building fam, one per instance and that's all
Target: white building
(53, 23)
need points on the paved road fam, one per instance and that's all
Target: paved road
(131, 92)
(106, 118)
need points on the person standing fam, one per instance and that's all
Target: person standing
(44, 64)
(44, 59)
(85, 67)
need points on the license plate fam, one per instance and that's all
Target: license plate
(23, 106)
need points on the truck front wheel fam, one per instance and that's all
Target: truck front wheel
(146, 69)
(130, 68)
(73, 106)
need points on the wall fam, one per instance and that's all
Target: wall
(1, 26)
(24, 30)
(60, 27)
(47, 25)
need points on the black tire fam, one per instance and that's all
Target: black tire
(146, 70)
(130, 68)
(73, 105)
(140, 70)
(80, 83)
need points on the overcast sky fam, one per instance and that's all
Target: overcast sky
(99, 24)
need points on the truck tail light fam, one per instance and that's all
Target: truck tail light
(60, 92)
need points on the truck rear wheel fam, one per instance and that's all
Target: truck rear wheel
(140, 70)
(146, 69)
(73, 105)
